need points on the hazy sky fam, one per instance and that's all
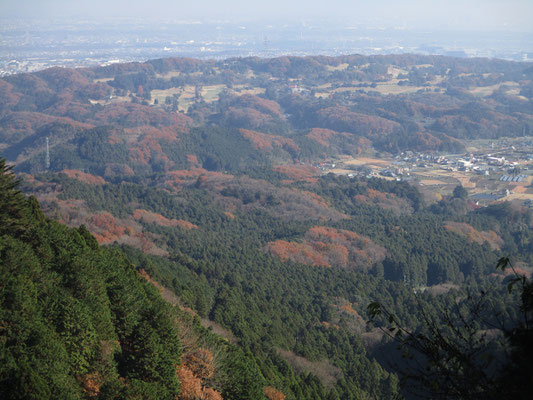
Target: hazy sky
(511, 15)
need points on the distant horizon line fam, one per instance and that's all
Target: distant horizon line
(351, 23)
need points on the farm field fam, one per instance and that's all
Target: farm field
(435, 180)
(187, 94)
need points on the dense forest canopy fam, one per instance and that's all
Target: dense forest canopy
(204, 178)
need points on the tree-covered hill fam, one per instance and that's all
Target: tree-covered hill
(82, 322)
(203, 177)
(77, 321)
(290, 271)
(283, 109)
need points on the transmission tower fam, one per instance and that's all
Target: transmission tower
(47, 161)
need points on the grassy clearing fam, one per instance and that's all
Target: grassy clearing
(390, 87)
(518, 196)
(101, 102)
(432, 182)
(519, 189)
(441, 289)
(367, 160)
(340, 171)
(484, 91)
(395, 71)
(211, 93)
(187, 94)
(186, 98)
(463, 178)
(243, 89)
(161, 95)
(101, 80)
(169, 75)
(422, 66)
(340, 67)
(516, 92)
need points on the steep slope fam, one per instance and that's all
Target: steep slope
(80, 322)
(77, 321)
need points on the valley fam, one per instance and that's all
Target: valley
(272, 201)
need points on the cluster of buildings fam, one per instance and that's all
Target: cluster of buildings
(325, 166)
(498, 170)
(512, 178)
(482, 164)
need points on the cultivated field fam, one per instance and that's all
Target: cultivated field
(169, 75)
(340, 67)
(367, 161)
(161, 95)
(187, 94)
(484, 91)
(435, 181)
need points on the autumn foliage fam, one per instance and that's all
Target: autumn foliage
(62, 78)
(298, 172)
(7, 96)
(324, 246)
(315, 198)
(91, 384)
(23, 123)
(106, 228)
(196, 368)
(191, 386)
(298, 252)
(149, 217)
(425, 141)
(113, 170)
(149, 131)
(249, 111)
(175, 179)
(200, 362)
(263, 105)
(182, 64)
(341, 119)
(84, 177)
(473, 235)
(193, 160)
(263, 141)
(322, 136)
(272, 393)
(229, 214)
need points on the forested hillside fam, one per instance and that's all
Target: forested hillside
(81, 321)
(77, 321)
(173, 114)
(203, 178)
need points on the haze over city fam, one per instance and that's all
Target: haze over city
(39, 34)
(511, 15)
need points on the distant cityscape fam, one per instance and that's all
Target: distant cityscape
(27, 46)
